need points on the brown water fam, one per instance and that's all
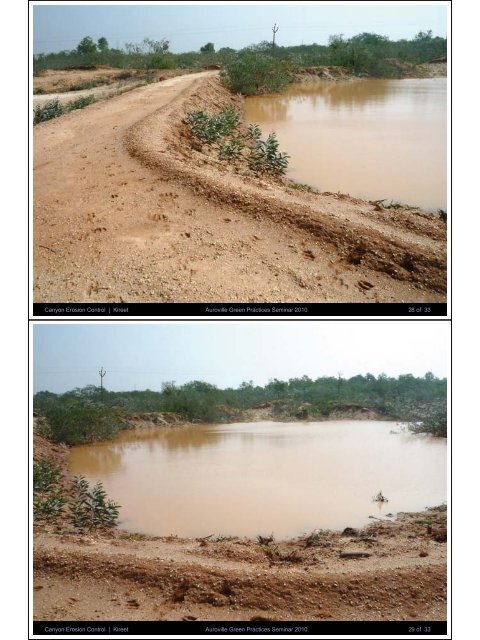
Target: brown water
(373, 139)
(264, 477)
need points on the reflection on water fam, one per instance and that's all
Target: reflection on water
(247, 479)
(373, 139)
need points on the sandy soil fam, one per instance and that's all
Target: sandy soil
(400, 574)
(99, 93)
(55, 85)
(125, 211)
(56, 80)
(402, 577)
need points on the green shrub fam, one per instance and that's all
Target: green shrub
(161, 62)
(231, 150)
(87, 84)
(45, 475)
(223, 129)
(54, 109)
(254, 133)
(87, 508)
(264, 155)
(49, 110)
(251, 73)
(431, 419)
(49, 507)
(209, 129)
(49, 497)
(77, 420)
(80, 103)
(90, 508)
(300, 186)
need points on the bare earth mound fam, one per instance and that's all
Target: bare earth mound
(125, 211)
(401, 576)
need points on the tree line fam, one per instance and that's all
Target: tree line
(91, 413)
(365, 53)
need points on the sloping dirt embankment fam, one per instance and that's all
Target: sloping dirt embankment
(432, 69)
(399, 574)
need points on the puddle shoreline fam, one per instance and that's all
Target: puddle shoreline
(247, 479)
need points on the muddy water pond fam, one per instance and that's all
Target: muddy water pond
(258, 478)
(372, 139)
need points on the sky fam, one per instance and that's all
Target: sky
(239, 24)
(142, 356)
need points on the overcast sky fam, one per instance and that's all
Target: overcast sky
(141, 356)
(188, 27)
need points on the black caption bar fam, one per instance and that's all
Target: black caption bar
(293, 310)
(382, 628)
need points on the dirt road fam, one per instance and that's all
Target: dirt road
(55, 85)
(99, 93)
(122, 212)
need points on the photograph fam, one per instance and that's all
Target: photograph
(199, 477)
(245, 154)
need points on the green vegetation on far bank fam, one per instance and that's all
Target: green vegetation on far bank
(91, 413)
(253, 72)
(259, 68)
(81, 415)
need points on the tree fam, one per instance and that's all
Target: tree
(157, 47)
(226, 54)
(78, 420)
(86, 46)
(199, 386)
(253, 72)
(168, 388)
(432, 419)
(338, 51)
(102, 45)
(208, 48)
(157, 54)
(424, 35)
